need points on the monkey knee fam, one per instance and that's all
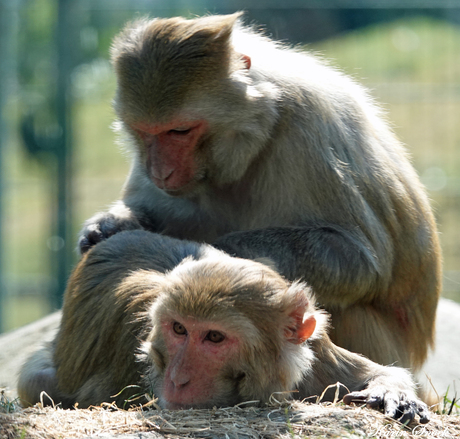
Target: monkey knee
(37, 378)
(38, 386)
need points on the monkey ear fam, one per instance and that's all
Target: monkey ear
(302, 328)
(301, 313)
(219, 26)
(246, 61)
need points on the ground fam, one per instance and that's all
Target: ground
(279, 420)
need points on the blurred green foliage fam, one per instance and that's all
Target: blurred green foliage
(411, 66)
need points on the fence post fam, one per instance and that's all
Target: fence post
(8, 21)
(64, 243)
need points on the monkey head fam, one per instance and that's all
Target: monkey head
(211, 325)
(183, 90)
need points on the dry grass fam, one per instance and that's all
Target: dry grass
(279, 420)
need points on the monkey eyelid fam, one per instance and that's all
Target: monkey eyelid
(180, 131)
(220, 337)
(179, 328)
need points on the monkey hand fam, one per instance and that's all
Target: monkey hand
(398, 405)
(103, 225)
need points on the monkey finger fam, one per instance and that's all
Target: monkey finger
(408, 409)
(397, 408)
(103, 227)
(406, 414)
(356, 397)
(423, 412)
(387, 402)
(373, 398)
(90, 239)
(419, 408)
(84, 245)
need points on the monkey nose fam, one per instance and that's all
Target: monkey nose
(180, 382)
(179, 378)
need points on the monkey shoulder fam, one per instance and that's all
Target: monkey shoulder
(140, 249)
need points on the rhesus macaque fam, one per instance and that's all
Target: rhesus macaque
(264, 151)
(208, 330)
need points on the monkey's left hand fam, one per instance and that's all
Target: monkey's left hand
(395, 404)
(103, 225)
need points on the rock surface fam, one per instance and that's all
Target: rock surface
(16, 346)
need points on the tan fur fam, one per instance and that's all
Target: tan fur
(111, 338)
(297, 165)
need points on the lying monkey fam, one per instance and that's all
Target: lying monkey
(197, 328)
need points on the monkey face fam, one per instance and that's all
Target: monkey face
(170, 151)
(213, 322)
(199, 372)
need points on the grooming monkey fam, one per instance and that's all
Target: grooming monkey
(264, 151)
(212, 330)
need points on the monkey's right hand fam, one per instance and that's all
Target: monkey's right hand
(398, 405)
(102, 226)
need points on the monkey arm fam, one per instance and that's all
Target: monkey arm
(390, 389)
(337, 262)
(334, 261)
(145, 207)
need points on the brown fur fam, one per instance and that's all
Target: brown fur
(111, 338)
(297, 165)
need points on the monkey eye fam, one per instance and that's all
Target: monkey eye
(179, 329)
(180, 131)
(215, 336)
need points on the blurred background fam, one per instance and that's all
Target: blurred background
(59, 161)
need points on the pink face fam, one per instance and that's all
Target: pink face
(171, 151)
(198, 351)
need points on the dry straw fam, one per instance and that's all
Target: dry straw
(279, 419)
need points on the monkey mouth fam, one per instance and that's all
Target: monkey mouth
(179, 191)
(174, 406)
(189, 189)
(169, 405)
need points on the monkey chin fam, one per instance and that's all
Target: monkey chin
(179, 406)
(187, 189)
(220, 398)
(181, 192)
(190, 190)
(169, 405)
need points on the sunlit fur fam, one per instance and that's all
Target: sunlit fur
(249, 300)
(110, 346)
(298, 165)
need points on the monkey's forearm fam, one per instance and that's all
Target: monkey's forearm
(333, 261)
(352, 373)
(362, 381)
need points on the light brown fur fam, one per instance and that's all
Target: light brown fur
(296, 164)
(111, 335)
